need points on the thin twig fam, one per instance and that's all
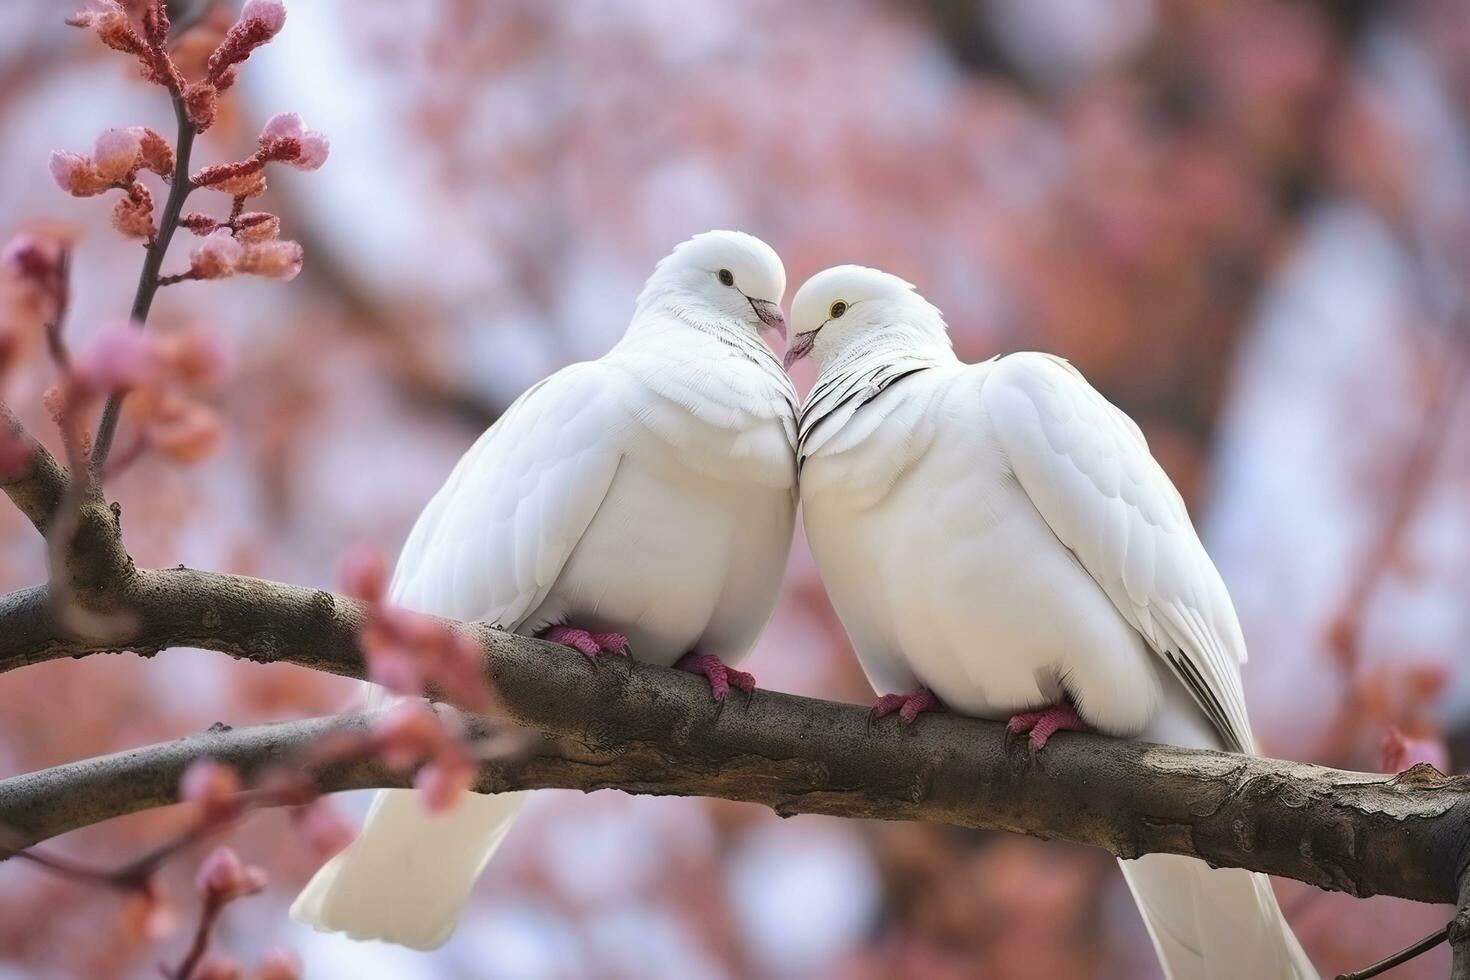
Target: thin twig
(148, 280)
(1397, 959)
(208, 916)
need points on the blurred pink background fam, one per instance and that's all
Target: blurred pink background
(1248, 223)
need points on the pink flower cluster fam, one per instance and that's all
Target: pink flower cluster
(409, 653)
(243, 244)
(117, 157)
(412, 737)
(161, 374)
(286, 138)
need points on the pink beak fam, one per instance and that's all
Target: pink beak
(770, 316)
(800, 347)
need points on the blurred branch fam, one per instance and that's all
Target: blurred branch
(38, 492)
(646, 729)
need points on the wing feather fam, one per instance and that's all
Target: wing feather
(492, 542)
(1087, 468)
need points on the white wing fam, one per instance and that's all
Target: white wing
(492, 542)
(1088, 470)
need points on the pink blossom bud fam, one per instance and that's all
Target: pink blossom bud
(407, 734)
(444, 781)
(393, 668)
(75, 174)
(37, 264)
(314, 149)
(365, 574)
(116, 154)
(195, 357)
(116, 358)
(223, 877)
(217, 256)
(189, 434)
(279, 964)
(322, 827)
(283, 125)
(1398, 752)
(311, 147)
(273, 259)
(212, 784)
(271, 14)
(132, 216)
(154, 151)
(257, 226)
(201, 99)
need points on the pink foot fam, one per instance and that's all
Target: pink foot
(721, 677)
(1042, 725)
(591, 644)
(908, 706)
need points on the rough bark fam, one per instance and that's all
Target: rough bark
(644, 729)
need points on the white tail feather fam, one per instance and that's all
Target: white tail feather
(1214, 923)
(409, 873)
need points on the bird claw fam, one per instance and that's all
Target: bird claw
(908, 706)
(1040, 726)
(590, 644)
(720, 675)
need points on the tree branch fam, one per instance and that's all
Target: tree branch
(647, 729)
(39, 491)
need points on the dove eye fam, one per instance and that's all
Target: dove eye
(838, 308)
(726, 279)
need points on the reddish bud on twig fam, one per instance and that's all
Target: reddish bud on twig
(443, 781)
(310, 147)
(187, 434)
(111, 23)
(1398, 752)
(408, 734)
(257, 226)
(194, 357)
(201, 101)
(154, 152)
(198, 223)
(116, 359)
(322, 827)
(132, 216)
(116, 154)
(213, 786)
(272, 259)
(223, 877)
(37, 268)
(260, 20)
(216, 257)
(76, 174)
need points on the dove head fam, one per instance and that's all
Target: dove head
(718, 277)
(851, 310)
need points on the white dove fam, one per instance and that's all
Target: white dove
(643, 502)
(998, 540)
